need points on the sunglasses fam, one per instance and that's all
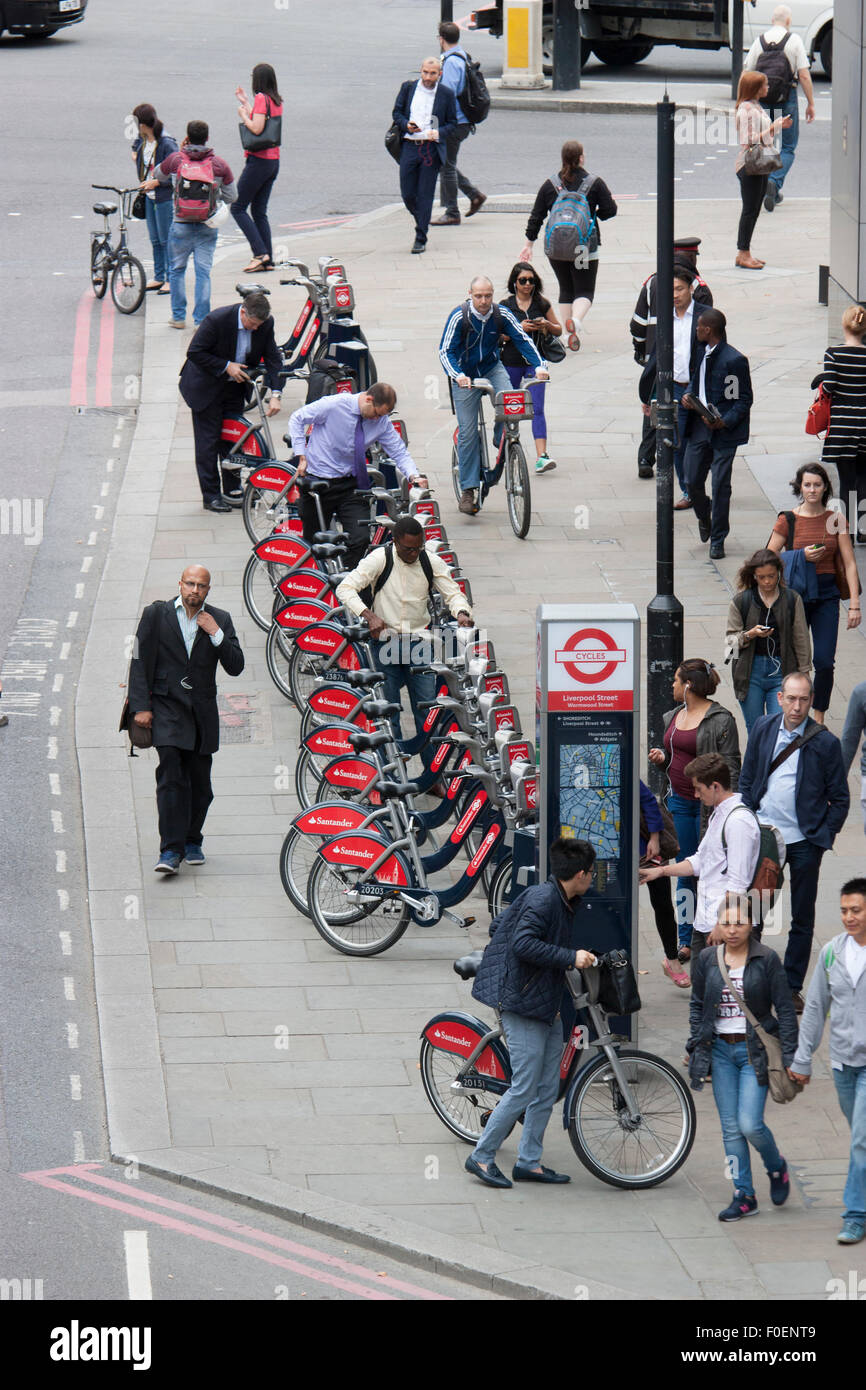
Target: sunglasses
(526, 280)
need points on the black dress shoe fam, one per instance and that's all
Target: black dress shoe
(529, 1175)
(491, 1175)
(217, 505)
(419, 247)
(645, 471)
(475, 203)
(704, 529)
(717, 552)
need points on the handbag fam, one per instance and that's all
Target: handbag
(219, 215)
(782, 1088)
(139, 737)
(394, 141)
(617, 986)
(818, 414)
(268, 138)
(551, 348)
(761, 159)
(139, 206)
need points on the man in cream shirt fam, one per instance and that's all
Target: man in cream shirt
(798, 63)
(398, 611)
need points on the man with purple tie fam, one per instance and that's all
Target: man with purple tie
(342, 428)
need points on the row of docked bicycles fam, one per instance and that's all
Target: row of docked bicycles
(367, 854)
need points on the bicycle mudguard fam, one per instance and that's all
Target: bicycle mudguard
(328, 818)
(470, 815)
(352, 772)
(330, 740)
(234, 427)
(325, 640)
(363, 849)
(307, 583)
(283, 549)
(300, 613)
(338, 702)
(273, 478)
(460, 1033)
(457, 783)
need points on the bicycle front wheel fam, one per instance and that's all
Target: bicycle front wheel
(464, 1115)
(128, 283)
(100, 268)
(499, 895)
(278, 658)
(620, 1151)
(297, 858)
(355, 929)
(517, 490)
(261, 514)
(258, 592)
(455, 472)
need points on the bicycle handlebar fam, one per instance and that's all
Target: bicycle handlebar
(109, 188)
(481, 383)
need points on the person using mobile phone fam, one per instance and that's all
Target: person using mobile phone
(767, 635)
(535, 315)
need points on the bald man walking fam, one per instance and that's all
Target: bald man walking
(426, 113)
(172, 690)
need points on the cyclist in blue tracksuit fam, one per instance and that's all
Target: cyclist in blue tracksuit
(470, 349)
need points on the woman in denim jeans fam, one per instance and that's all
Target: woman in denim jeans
(150, 148)
(723, 1039)
(697, 725)
(767, 635)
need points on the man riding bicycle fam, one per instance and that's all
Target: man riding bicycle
(470, 349)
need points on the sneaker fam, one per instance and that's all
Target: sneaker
(4, 720)
(167, 863)
(193, 854)
(177, 323)
(851, 1231)
(544, 463)
(740, 1206)
(466, 505)
(780, 1186)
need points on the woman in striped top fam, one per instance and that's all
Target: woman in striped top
(845, 444)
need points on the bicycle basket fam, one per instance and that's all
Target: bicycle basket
(513, 405)
(617, 986)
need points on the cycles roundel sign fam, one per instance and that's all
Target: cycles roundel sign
(590, 656)
(590, 665)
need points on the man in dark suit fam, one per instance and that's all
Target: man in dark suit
(793, 777)
(720, 380)
(426, 112)
(226, 345)
(686, 343)
(172, 690)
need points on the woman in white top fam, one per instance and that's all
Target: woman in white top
(753, 125)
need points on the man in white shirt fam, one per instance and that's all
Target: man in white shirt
(390, 589)
(777, 102)
(718, 867)
(426, 113)
(685, 344)
(838, 987)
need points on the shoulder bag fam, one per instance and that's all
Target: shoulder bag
(268, 138)
(782, 1088)
(139, 737)
(761, 159)
(394, 141)
(818, 414)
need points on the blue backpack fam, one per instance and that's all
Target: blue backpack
(570, 223)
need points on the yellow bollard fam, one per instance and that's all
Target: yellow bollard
(522, 32)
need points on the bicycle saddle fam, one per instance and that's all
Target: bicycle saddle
(467, 966)
(311, 484)
(355, 631)
(329, 537)
(327, 552)
(380, 709)
(250, 287)
(105, 209)
(390, 791)
(335, 580)
(365, 743)
(365, 677)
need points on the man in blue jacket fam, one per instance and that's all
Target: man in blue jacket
(470, 349)
(522, 974)
(793, 778)
(719, 399)
(426, 112)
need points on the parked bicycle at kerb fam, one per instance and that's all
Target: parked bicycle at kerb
(509, 408)
(629, 1115)
(115, 264)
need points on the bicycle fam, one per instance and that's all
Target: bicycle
(116, 263)
(629, 1115)
(509, 407)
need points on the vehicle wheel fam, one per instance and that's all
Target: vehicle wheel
(547, 50)
(305, 671)
(517, 490)
(128, 283)
(825, 49)
(465, 1116)
(371, 368)
(309, 770)
(100, 268)
(260, 518)
(39, 33)
(455, 473)
(297, 857)
(606, 1141)
(499, 895)
(278, 657)
(259, 592)
(622, 53)
(350, 928)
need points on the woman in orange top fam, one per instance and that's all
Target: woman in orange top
(820, 533)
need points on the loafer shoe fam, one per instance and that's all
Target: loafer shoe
(780, 1186)
(445, 221)
(491, 1175)
(167, 863)
(717, 552)
(704, 529)
(217, 505)
(546, 1175)
(418, 247)
(683, 505)
(645, 471)
(193, 854)
(475, 203)
(741, 1206)
(851, 1232)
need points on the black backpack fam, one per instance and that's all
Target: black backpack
(324, 375)
(474, 100)
(367, 595)
(777, 70)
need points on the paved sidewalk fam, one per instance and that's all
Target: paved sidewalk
(201, 979)
(599, 93)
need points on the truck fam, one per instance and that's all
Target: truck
(623, 32)
(39, 19)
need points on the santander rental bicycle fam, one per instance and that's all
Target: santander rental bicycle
(509, 408)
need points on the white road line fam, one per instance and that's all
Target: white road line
(54, 714)
(79, 591)
(60, 860)
(63, 901)
(98, 513)
(137, 1266)
(52, 749)
(72, 619)
(65, 942)
(68, 987)
(56, 689)
(109, 464)
(72, 1035)
(117, 440)
(103, 491)
(74, 1087)
(91, 539)
(86, 563)
(65, 649)
(54, 783)
(77, 1146)
(57, 822)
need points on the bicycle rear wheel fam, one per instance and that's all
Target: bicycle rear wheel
(278, 657)
(128, 283)
(455, 472)
(616, 1149)
(306, 670)
(517, 490)
(297, 857)
(355, 929)
(464, 1115)
(258, 591)
(260, 518)
(100, 267)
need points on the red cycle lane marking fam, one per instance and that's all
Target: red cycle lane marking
(239, 1228)
(80, 348)
(211, 1237)
(105, 355)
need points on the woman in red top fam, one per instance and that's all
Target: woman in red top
(262, 167)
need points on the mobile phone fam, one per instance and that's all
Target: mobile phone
(763, 627)
(816, 547)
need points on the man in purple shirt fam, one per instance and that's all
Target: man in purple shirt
(343, 428)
